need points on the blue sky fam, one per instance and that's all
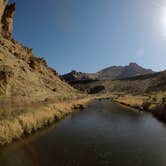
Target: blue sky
(88, 35)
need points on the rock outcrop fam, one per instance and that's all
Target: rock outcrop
(23, 76)
(79, 77)
(3, 4)
(6, 76)
(6, 18)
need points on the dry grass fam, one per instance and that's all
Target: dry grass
(34, 118)
(132, 101)
(154, 103)
(9, 130)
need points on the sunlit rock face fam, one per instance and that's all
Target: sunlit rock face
(3, 4)
(23, 76)
(6, 18)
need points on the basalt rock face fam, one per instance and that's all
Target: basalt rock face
(75, 77)
(6, 18)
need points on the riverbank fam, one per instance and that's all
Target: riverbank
(31, 118)
(154, 103)
(37, 116)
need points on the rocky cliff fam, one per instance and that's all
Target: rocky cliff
(23, 76)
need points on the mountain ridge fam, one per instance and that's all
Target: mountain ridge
(112, 72)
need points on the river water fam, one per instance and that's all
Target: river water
(104, 134)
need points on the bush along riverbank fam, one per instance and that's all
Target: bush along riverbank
(154, 103)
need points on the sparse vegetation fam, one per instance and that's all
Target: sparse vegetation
(161, 97)
(152, 102)
(132, 101)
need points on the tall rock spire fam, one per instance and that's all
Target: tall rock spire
(3, 4)
(6, 18)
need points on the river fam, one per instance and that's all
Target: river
(104, 134)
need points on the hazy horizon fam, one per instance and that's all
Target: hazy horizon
(91, 35)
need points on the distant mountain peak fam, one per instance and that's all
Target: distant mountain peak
(132, 64)
(118, 72)
(112, 72)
